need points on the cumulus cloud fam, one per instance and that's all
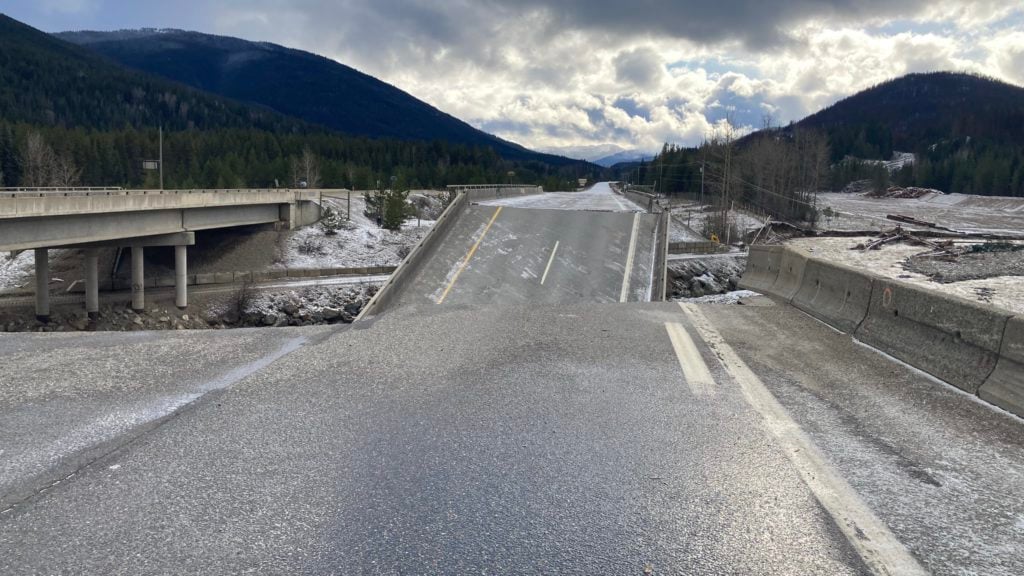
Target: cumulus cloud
(604, 74)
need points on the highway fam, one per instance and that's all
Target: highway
(481, 435)
(540, 249)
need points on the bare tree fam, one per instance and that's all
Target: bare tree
(306, 168)
(37, 160)
(41, 166)
(64, 173)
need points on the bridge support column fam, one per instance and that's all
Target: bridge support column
(138, 280)
(181, 277)
(92, 283)
(287, 212)
(42, 284)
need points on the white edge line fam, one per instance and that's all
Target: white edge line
(624, 294)
(877, 546)
(550, 261)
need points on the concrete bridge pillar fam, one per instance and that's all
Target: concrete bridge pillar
(42, 284)
(181, 277)
(92, 283)
(138, 280)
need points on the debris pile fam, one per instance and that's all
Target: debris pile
(941, 248)
(904, 193)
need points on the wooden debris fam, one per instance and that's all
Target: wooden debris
(943, 248)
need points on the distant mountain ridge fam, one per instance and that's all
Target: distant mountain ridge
(294, 83)
(918, 111)
(46, 81)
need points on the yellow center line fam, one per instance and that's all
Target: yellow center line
(550, 261)
(469, 256)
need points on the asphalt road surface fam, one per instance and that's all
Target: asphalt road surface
(524, 439)
(501, 255)
(530, 437)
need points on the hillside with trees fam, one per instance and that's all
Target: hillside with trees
(296, 83)
(966, 132)
(71, 117)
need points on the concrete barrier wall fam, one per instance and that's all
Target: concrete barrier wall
(646, 201)
(835, 294)
(696, 248)
(976, 348)
(948, 337)
(762, 268)
(48, 204)
(415, 259)
(791, 274)
(1005, 388)
(478, 194)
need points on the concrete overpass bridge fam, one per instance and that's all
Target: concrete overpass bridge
(90, 219)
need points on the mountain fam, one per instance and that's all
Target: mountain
(622, 158)
(48, 82)
(918, 111)
(100, 118)
(294, 83)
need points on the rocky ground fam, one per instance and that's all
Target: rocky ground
(245, 308)
(698, 277)
(984, 262)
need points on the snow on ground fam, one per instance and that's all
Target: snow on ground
(727, 298)
(360, 242)
(599, 197)
(16, 272)
(684, 227)
(1005, 292)
(982, 214)
(899, 160)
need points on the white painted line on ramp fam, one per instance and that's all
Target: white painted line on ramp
(550, 260)
(877, 546)
(624, 294)
(695, 370)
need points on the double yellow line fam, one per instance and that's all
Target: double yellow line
(465, 261)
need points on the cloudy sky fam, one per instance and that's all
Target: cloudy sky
(589, 76)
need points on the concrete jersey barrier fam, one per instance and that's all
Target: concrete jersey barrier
(791, 274)
(948, 337)
(762, 268)
(835, 294)
(976, 348)
(1005, 388)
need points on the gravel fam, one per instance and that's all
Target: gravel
(972, 266)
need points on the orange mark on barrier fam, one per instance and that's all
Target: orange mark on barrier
(887, 297)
